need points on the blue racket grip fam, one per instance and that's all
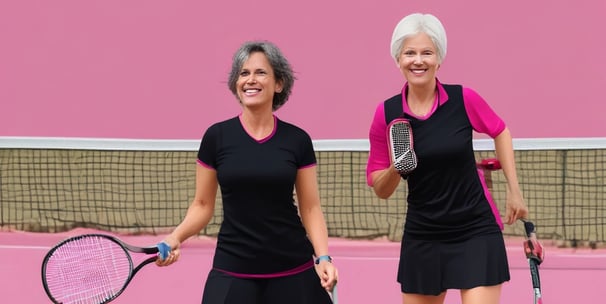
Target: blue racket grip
(163, 250)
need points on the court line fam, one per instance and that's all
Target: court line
(589, 255)
(19, 247)
(369, 258)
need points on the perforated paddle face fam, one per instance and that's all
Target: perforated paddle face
(400, 139)
(91, 269)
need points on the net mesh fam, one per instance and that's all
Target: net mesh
(51, 190)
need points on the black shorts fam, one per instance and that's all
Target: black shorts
(432, 267)
(301, 288)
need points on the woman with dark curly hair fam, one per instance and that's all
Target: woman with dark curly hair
(269, 248)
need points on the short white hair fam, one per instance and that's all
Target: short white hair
(419, 23)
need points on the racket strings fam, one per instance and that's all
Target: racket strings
(403, 155)
(87, 270)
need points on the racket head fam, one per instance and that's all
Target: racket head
(401, 148)
(90, 268)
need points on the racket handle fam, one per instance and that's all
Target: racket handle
(529, 227)
(534, 273)
(334, 295)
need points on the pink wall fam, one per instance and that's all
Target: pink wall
(157, 69)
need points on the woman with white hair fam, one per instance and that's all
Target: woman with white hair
(453, 231)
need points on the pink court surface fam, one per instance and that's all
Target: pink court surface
(367, 272)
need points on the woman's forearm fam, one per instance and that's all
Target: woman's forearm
(385, 182)
(315, 226)
(197, 217)
(310, 209)
(505, 155)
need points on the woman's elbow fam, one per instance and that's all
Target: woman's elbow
(382, 194)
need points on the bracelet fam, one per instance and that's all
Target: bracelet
(323, 258)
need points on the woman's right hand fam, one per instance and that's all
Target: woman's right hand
(173, 254)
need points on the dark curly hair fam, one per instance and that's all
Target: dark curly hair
(280, 65)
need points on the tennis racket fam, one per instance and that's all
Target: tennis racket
(92, 268)
(399, 134)
(535, 255)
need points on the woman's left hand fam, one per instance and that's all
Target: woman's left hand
(328, 275)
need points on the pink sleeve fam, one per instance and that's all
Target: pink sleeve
(378, 157)
(483, 119)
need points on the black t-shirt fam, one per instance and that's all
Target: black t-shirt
(261, 232)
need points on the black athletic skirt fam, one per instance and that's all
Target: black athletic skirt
(432, 267)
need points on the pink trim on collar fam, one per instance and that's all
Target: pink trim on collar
(441, 98)
(262, 140)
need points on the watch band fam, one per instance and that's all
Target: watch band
(321, 258)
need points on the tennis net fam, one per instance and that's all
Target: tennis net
(145, 186)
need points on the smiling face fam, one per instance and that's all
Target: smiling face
(257, 84)
(419, 60)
